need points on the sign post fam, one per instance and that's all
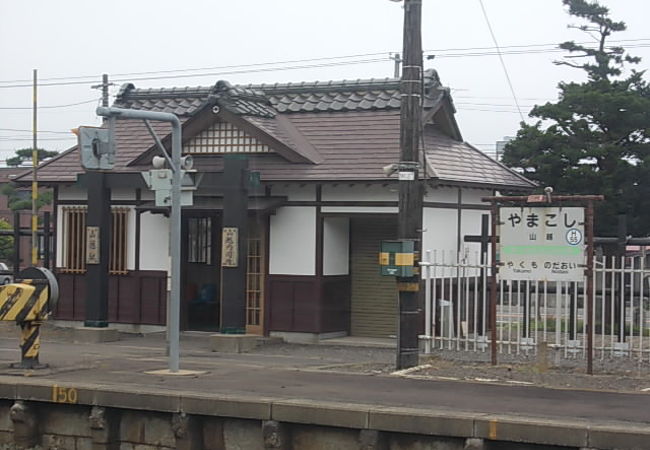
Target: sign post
(543, 238)
(542, 243)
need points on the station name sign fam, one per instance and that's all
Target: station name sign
(542, 243)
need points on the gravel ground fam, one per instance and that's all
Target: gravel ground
(620, 374)
(612, 374)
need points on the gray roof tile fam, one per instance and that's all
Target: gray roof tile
(353, 127)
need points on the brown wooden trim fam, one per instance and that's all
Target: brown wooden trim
(55, 224)
(85, 202)
(138, 228)
(267, 285)
(326, 203)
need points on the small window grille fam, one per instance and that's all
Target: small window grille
(74, 240)
(199, 240)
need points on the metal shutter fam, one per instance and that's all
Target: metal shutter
(374, 297)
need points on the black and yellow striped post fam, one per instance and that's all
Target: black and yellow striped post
(28, 303)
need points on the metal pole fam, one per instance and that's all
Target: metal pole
(173, 325)
(34, 172)
(175, 249)
(493, 286)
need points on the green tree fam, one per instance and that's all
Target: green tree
(20, 198)
(24, 155)
(596, 138)
(6, 242)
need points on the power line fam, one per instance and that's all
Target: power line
(262, 67)
(232, 72)
(29, 131)
(50, 106)
(294, 61)
(503, 64)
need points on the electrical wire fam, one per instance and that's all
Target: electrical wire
(51, 106)
(525, 49)
(503, 64)
(29, 131)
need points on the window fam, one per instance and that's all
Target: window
(74, 240)
(199, 240)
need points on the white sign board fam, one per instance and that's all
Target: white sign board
(542, 243)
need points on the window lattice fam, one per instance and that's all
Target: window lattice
(199, 240)
(254, 282)
(224, 137)
(74, 240)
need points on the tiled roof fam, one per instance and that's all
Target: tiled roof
(460, 162)
(347, 130)
(265, 100)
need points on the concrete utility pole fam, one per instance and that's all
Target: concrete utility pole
(410, 187)
(104, 87)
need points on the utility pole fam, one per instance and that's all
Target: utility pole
(104, 87)
(398, 60)
(34, 172)
(410, 187)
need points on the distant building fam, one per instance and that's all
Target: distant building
(501, 146)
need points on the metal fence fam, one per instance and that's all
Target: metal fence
(457, 309)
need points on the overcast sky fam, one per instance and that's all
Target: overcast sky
(78, 40)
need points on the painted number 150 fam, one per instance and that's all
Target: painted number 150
(64, 395)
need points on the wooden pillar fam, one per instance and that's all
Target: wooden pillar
(98, 237)
(235, 217)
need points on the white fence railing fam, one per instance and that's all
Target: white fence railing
(457, 309)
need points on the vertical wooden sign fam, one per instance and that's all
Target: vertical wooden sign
(229, 246)
(92, 245)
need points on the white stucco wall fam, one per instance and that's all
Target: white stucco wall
(473, 196)
(118, 194)
(293, 241)
(154, 242)
(130, 237)
(372, 192)
(336, 245)
(440, 229)
(441, 194)
(71, 193)
(304, 193)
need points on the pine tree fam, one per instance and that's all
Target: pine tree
(596, 138)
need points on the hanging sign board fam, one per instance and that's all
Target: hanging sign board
(542, 243)
(229, 246)
(92, 245)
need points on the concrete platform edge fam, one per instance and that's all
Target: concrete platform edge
(441, 422)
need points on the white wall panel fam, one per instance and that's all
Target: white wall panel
(336, 246)
(441, 194)
(71, 193)
(345, 192)
(154, 242)
(293, 241)
(305, 193)
(439, 229)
